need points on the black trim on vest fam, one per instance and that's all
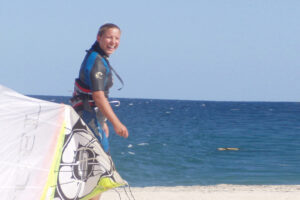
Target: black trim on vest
(96, 47)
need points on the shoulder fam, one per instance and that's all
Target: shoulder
(100, 65)
(101, 62)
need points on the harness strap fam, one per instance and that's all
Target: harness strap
(117, 75)
(106, 63)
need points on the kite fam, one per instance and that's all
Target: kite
(47, 152)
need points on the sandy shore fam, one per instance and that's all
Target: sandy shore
(216, 192)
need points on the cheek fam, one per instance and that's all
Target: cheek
(102, 45)
(105, 42)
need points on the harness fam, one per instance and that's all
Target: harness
(82, 96)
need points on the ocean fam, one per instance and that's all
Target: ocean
(176, 142)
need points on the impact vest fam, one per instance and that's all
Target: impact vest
(82, 96)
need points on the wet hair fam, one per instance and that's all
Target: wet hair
(105, 27)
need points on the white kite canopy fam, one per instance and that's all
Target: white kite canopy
(47, 152)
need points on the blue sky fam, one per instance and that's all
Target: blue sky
(224, 50)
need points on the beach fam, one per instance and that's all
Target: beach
(215, 192)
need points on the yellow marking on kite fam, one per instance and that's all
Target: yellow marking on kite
(104, 184)
(49, 189)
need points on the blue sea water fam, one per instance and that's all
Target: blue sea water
(175, 142)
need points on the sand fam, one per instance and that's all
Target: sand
(216, 192)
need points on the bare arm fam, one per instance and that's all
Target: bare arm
(104, 106)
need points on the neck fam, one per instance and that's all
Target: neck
(96, 47)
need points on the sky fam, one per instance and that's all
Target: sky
(217, 50)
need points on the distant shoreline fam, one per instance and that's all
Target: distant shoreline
(166, 99)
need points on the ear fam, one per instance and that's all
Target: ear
(98, 38)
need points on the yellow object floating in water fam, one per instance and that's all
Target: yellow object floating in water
(230, 149)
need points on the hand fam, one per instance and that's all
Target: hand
(121, 130)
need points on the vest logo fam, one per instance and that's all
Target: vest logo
(99, 75)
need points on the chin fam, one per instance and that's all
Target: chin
(109, 52)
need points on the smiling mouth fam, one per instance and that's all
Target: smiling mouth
(111, 47)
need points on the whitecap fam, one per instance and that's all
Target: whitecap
(130, 152)
(130, 146)
(143, 144)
